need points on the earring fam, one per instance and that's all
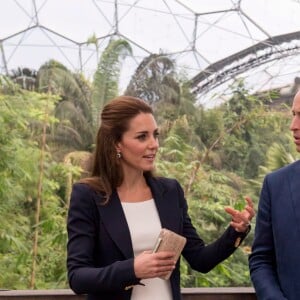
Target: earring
(119, 155)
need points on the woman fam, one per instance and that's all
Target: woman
(116, 215)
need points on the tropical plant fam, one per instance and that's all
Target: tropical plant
(277, 156)
(20, 150)
(155, 81)
(24, 77)
(207, 192)
(74, 130)
(106, 77)
(212, 153)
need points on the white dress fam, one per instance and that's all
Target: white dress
(144, 226)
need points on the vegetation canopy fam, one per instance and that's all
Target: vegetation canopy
(47, 132)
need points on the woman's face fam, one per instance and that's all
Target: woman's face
(139, 143)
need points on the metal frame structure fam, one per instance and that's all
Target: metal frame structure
(274, 48)
(204, 73)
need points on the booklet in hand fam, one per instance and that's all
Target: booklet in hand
(169, 241)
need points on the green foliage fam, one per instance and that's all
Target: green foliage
(106, 78)
(207, 192)
(209, 125)
(19, 172)
(277, 156)
(155, 81)
(7, 86)
(218, 156)
(238, 133)
(74, 130)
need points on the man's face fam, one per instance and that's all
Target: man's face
(295, 124)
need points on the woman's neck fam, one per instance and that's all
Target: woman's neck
(134, 189)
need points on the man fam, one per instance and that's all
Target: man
(275, 259)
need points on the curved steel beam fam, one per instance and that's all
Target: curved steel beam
(274, 48)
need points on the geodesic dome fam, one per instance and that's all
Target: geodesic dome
(212, 41)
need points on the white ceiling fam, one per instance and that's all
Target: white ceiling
(196, 33)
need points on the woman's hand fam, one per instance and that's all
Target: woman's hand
(150, 265)
(241, 219)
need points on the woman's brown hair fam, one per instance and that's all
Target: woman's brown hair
(107, 173)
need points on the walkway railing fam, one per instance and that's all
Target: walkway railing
(236, 293)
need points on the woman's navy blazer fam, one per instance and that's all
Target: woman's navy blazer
(99, 251)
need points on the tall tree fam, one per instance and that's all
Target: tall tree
(19, 193)
(155, 80)
(24, 77)
(106, 78)
(278, 155)
(74, 129)
(207, 192)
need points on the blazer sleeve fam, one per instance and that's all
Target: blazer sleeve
(202, 257)
(82, 226)
(262, 261)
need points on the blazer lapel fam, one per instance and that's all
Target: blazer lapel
(168, 216)
(294, 179)
(113, 217)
